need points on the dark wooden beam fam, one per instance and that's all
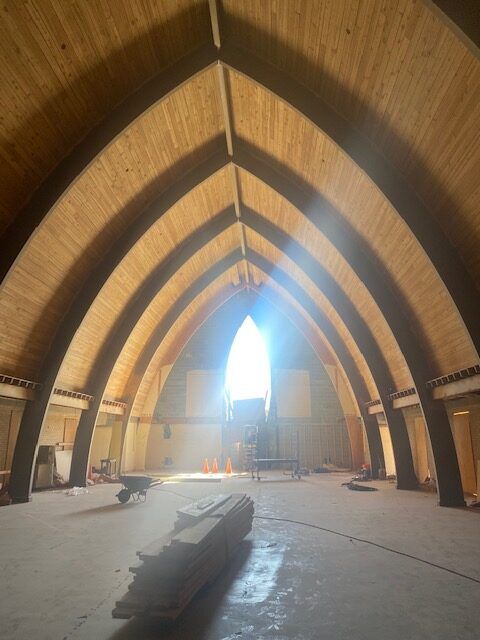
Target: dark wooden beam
(383, 290)
(70, 168)
(445, 258)
(360, 332)
(463, 17)
(355, 378)
(119, 336)
(35, 412)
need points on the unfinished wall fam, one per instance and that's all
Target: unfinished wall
(310, 419)
(10, 416)
(464, 416)
(60, 425)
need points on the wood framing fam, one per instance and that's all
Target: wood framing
(81, 449)
(35, 412)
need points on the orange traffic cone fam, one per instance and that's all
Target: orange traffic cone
(228, 468)
(205, 467)
(214, 466)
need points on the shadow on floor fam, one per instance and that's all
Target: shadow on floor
(106, 508)
(195, 621)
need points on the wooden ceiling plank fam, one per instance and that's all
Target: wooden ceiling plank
(97, 141)
(390, 182)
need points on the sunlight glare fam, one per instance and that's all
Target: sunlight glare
(248, 368)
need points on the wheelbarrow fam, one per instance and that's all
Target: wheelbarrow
(135, 487)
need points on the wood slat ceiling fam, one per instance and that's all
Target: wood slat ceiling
(261, 198)
(393, 69)
(151, 250)
(400, 75)
(204, 304)
(278, 130)
(65, 65)
(214, 251)
(266, 249)
(158, 149)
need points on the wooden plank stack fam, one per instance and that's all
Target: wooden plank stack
(174, 568)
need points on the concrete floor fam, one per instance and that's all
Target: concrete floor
(65, 561)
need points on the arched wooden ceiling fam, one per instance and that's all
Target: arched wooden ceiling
(129, 127)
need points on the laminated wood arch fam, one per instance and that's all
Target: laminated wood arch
(436, 418)
(35, 413)
(358, 257)
(274, 300)
(350, 247)
(325, 326)
(443, 256)
(83, 438)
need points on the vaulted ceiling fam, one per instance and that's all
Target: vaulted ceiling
(159, 156)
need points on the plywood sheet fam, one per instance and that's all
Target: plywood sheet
(293, 393)
(204, 393)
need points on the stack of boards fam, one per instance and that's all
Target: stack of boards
(174, 568)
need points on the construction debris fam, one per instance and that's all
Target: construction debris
(357, 487)
(174, 568)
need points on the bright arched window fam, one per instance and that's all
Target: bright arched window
(248, 372)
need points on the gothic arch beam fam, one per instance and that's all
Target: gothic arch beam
(81, 449)
(443, 255)
(389, 181)
(100, 138)
(360, 259)
(35, 412)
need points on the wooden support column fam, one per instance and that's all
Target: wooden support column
(355, 378)
(406, 478)
(111, 352)
(35, 412)
(382, 289)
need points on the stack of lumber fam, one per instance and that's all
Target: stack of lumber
(174, 568)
